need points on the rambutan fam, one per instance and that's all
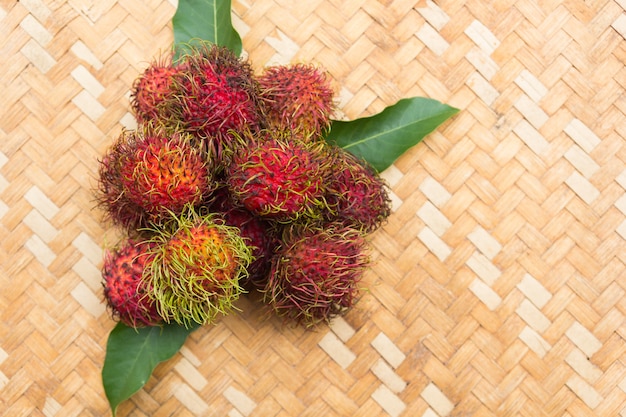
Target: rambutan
(150, 173)
(198, 262)
(151, 89)
(356, 194)
(125, 289)
(216, 93)
(257, 232)
(279, 178)
(298, 98)
(315, 273)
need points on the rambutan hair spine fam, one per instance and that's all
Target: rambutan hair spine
(198, 262)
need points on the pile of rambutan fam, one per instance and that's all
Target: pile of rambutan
(227, 186)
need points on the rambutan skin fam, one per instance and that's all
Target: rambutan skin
(197, 265)
(315, 273)
(298, 98)
(125, 288)
(278, 178)
(356, 194)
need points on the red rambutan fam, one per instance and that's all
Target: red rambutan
(125, 289)
(315, 273)
(257, 232)
(151, 89)
(216, 93)
(298, 98)
(279, 178)
(149, 174)
(356, 194)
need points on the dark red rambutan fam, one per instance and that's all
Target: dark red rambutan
(197, 264)
(298, 98)
(216, 93)
(257, 232)
(279, 178)
(315, 273)
(151, 89)
(356, 194)
(149, 174)
(125, 288)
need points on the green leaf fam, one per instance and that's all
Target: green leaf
(204, 20)
(380, 139)
(132, 355)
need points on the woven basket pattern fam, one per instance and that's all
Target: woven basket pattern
(499, 282)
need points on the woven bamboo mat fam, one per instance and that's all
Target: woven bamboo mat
(499, 284)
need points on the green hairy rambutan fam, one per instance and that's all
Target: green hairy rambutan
(197, 265)
(125, 290)
(315, 273)
(279, 178)
(298, 98)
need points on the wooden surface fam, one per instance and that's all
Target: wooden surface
(500, 280)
